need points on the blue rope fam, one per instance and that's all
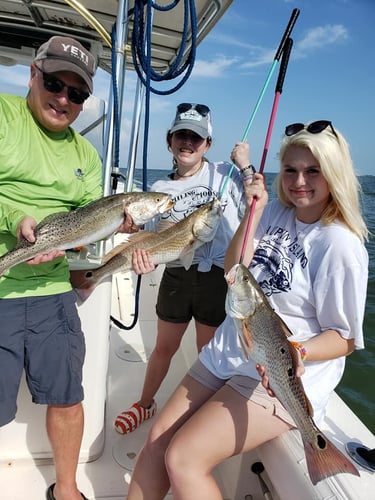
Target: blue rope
(141, 53)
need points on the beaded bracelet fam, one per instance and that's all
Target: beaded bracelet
(301, 348)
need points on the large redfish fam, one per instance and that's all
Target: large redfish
(95, 221)
(178, 241)
(263, 336)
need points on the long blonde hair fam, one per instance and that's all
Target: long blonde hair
(332, 153)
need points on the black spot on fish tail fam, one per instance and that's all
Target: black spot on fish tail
(321, 441)
(323, 459)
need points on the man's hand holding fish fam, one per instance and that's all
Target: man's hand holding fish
(26, 230)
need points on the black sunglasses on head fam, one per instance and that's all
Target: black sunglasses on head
(55, 86)
(202, 109)
(313, 128)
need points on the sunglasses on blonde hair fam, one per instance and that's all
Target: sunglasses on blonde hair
(313, 128)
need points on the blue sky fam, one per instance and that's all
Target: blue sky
(330, 76)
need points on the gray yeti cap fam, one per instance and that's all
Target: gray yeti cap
(66, 54)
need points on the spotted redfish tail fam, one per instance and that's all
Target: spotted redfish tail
(324, 460)
(83, 283)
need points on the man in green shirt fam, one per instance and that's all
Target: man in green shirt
(46, 167)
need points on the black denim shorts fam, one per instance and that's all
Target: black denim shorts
(186, 294)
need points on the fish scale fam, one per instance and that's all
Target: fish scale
(93, 222)
(264, 338)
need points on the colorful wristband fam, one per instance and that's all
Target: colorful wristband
(301, 348)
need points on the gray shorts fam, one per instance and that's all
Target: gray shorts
(248, 387)
(43, 336)
(186, 294)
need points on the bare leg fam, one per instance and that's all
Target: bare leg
(204, 334)
(65, 430)
(168, 341)
(150, 479)
(195, 449)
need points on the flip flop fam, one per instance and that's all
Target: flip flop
(50, 495)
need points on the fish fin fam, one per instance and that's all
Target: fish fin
(243, 347)
(84, 293)
(164, 225)
(83, 286)
(284, 327)
(247, 335)
(294, 355)
(186, 257)
(135, 238)
(323, 459)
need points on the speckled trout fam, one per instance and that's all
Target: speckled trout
(178, 241)
(264, 338)
(93, 222)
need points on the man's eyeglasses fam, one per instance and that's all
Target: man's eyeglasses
(55, 86)
(202, 109)
(313, 128)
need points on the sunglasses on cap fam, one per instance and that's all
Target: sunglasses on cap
(202, 109)
(55, 86)
(313, 128)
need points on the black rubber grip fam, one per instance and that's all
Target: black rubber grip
(288, 30)
(284, 65)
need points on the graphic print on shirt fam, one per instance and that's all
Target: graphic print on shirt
(275, 256)
(189, 200)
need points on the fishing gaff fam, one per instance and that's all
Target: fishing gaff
(278, 91)
(280, 49)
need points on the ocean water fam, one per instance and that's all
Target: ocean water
(357, 385)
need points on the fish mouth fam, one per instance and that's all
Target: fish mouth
(168, 205)
(230, 276)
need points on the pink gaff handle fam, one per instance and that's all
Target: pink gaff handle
(278, 91)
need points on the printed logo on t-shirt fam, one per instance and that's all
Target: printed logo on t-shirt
(189, 200)
(274, 259)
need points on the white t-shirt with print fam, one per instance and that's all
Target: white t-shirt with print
(315, 277)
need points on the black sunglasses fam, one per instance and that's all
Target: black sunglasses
(55, 86)
(313, 128)
(202, 109)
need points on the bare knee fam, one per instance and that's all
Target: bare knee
(179, 462)
(63, 412)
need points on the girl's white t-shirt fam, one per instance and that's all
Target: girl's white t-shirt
(315, 277)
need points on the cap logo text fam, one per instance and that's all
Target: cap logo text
(76, 53)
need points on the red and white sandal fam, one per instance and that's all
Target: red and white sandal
(130, 419)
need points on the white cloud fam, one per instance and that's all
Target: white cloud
(214, 68)
(322, 36)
